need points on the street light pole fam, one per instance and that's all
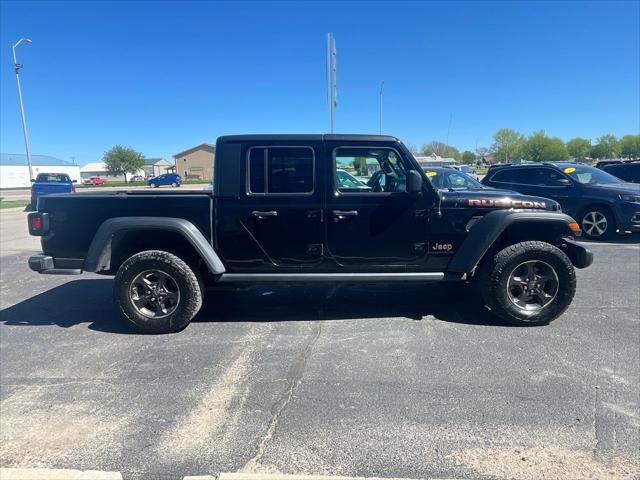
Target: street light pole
(17, 66)
(381, 92)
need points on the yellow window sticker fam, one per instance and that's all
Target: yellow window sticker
(430, 173)
(569, 170)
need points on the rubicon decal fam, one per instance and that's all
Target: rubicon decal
(507, 203)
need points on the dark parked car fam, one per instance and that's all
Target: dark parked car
(602, 203)
(627, 171)
(172, 179)
(48, 183)
(444, 178)
(278, 213)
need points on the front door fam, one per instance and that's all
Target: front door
(277, 223)
(549, 183)
(372, 223)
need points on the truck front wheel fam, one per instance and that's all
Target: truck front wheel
(528, 283)
(157, 291)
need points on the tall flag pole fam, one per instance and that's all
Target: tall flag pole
(332, 92)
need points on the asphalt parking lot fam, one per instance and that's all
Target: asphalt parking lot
(371, 381)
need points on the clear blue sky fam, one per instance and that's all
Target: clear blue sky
(164, 76)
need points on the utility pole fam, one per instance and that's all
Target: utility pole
(448, 131)
(381, 87)
(331, 78)
(17, 66)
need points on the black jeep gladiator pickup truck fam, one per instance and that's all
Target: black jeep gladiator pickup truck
(312, 208)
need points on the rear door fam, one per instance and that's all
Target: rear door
(276, 224)
(376, 225)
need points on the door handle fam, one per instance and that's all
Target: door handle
(263, 215)
(343, 214)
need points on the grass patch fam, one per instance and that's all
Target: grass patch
(13, 203)
(481, 170)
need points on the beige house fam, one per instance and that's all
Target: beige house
(197, 162)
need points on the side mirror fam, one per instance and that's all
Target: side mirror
(414, 182)
(564, 182)
(33, 180)
(74, 181)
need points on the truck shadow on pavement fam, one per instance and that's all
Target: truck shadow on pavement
(89, 301)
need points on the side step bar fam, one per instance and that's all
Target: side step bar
(338, 277)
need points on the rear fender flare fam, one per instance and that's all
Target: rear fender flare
(488, 229)
(99, 254)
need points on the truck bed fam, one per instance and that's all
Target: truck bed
(75, 218)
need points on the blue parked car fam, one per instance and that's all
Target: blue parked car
(172, 179)
(48, 183)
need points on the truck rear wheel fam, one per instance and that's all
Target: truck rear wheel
(528, 283)
(157, 291)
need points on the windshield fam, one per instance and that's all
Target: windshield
(590, 175)
(443, 179)
(346, 180)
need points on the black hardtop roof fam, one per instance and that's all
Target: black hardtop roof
(308, 137)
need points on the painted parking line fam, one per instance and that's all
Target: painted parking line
(281, 476)
(64, 474)
(56, 474)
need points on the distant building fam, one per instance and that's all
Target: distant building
(434, 159)
(156, 166)
(197, 162)
(14, 169)
(99, 169)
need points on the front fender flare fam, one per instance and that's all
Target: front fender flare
(487, 230)
(99, 254)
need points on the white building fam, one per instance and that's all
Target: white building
(14, 170)
(434, 159)
(99, 169)
(157, 166)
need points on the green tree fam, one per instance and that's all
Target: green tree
(534, 146)
(607, 146)
(541, 148)
(554, 151)
(360, 165)
(630, 146)
(122, 160)
(579, 148)
(452, 152)
(507, 144)
(468, 157)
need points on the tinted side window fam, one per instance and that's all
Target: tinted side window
(504, 176)
(279, 170)
(290, 170)
(626, 172)
(545, 177)
(257, 183)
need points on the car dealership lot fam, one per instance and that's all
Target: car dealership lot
(395, 381)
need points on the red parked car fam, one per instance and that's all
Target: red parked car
(94, 181)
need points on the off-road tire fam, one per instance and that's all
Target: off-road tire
(495, 273)
(187, 280)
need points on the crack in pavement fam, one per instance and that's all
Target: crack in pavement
(294, 378)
